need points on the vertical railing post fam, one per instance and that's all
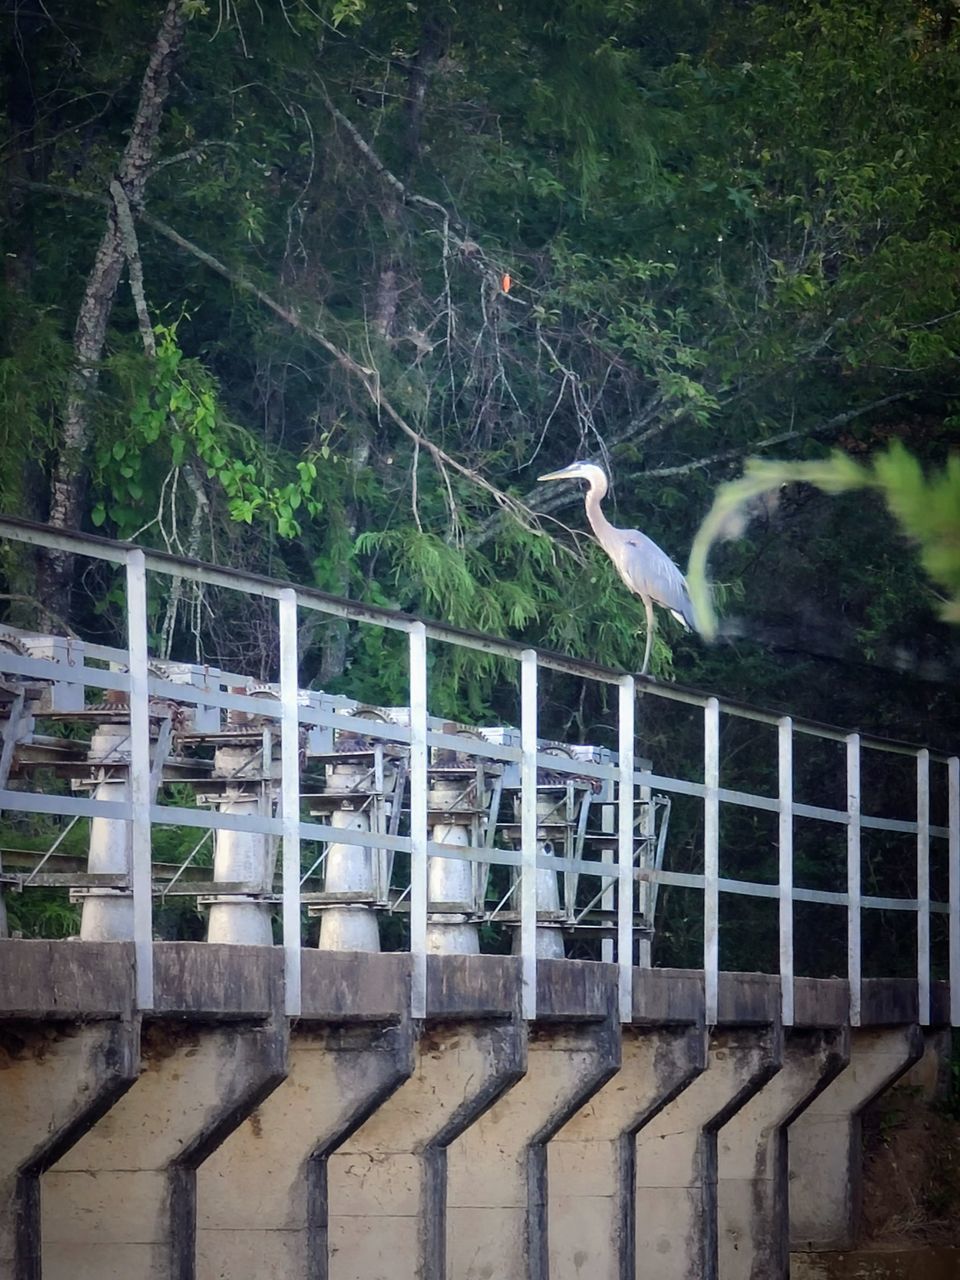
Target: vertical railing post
(923, 886)
(785, 876)
(418, 818)
(711, 858)
(141, 873)
(290, 798)
(528, 830)
(953, 854)
(854, 966)
(625, 798)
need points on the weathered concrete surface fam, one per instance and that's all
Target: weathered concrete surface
(386, 1183)
(671, 997)
(930, 1076)
(217, 980)
(675, 1157)
(631, 1176)
(752, 1190)
(497, 1169)
(261, 1196)
(590, 1159)
(354, 986)
(69, 1047)
(824, 1144)
(58, 980)
(56, 1080)
(473, 986)
(119, 1205)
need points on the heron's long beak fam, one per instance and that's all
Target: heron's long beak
(568, 473)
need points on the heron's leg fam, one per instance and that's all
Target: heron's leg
(651, 624)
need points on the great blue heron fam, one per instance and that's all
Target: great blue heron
(647, 571)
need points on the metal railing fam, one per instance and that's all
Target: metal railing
(424, 733)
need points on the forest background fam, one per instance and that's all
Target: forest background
(318, 289)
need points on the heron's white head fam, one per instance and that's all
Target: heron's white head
(588, 471)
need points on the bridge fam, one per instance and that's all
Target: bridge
(401, 1097)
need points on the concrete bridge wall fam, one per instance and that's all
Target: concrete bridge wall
(212, 1139)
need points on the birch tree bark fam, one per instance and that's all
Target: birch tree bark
(67, 482)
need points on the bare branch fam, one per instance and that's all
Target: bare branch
(545, 500)
(368, 377)
(469, 248)
(737, 455)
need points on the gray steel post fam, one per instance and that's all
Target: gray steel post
(140, 792)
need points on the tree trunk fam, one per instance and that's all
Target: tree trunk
(67, 483)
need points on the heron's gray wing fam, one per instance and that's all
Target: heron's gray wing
(647, 569)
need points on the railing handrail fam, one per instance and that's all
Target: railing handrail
(421, 734)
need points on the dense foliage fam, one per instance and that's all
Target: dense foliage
(363, 270)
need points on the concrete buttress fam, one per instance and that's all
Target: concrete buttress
(825, 1154)
(69, 1047)
(497, 1169)
(752, 1186)
(261, 1196)
(589, 1160)
(386, 1183)
(120, 1204)
(55, 1082)
(675, 1157)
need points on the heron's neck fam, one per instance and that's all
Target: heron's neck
(598, 521)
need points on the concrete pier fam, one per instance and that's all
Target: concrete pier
(262, 1195)
(386, 1185)
(752, 1185)
(675, 1157)
(119, 1203)
(241, 857)
(497, 1171)
(824, 1143)
(107, 914)
(58, 1074)
(590, 1159)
